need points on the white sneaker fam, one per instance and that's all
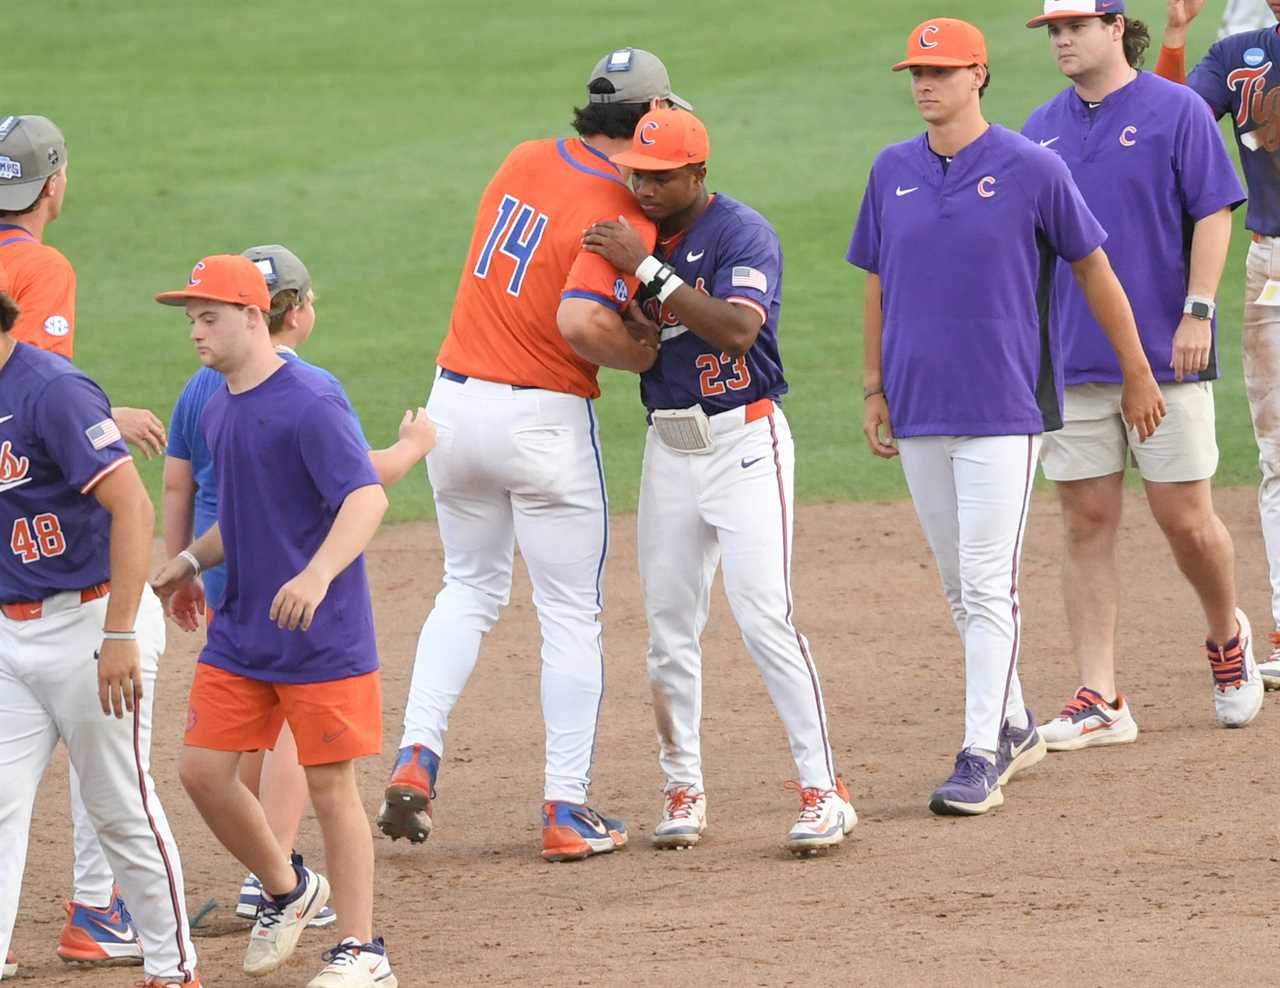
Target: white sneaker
(1237, 683)
(684, 818)
(1270, 670)
(353, 964)
(826, 815)
(280, 924)
(10, 969)
(1089, 721)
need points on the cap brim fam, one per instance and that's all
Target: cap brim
(675, 100)
(938, 61)
(646, 163)
(15, 196)
(1068, 15)
(185, 295)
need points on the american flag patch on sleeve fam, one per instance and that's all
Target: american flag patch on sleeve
(750, 278)
(103, 434)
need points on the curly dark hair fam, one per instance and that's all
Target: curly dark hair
(8, 312)
(982, 90)
(607, 119)
(1136, 40)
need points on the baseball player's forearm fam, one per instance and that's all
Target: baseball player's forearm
(394, 462)
(1209, 245)
(132, 525)
(872, 335)
(597, 334)
(1110, 306)
(731, 328)
(178, 504)
(208, 548)
(357, 521)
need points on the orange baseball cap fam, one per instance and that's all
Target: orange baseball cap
(223, 278)
(945, 42)
(664, 140)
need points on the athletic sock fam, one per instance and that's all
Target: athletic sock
(1018, 719)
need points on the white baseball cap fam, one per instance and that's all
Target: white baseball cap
(1061, 10)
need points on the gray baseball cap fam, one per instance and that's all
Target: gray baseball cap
(637, 77)
(31, 149)
(281, 269)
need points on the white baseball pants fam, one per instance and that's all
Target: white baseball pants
(732, 505)
(1260, 340)
(517, 466)
(49, 690)
(972, 494)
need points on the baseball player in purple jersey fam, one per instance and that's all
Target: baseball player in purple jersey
(719, 464)
(1151, 165)
(80, 640)
(958, 230)
(1240, 75)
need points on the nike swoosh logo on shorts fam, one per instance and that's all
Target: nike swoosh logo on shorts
(1045, 144)
(906, 192)
(330, 738)
(747, 463)
(691, 256)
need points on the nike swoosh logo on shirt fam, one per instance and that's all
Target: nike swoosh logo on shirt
(15, 483)
(4, 419)
(907, 192)
(1045, 144)
(691, 256)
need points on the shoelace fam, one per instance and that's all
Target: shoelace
(270, 912)
(970, 768)
(812, 799)
(680, 803)
(343, 955)
(1227, 665)
(1083, 700)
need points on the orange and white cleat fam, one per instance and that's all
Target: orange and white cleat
(573, 831)
(826, 817)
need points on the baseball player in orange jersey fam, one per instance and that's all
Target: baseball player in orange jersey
(33, 184)
(518, 457)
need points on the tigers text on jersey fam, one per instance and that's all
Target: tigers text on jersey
(963, 260)
(57, 442)
(1240, 75)
(1150, 164)
(526, 255)
(44, 286)
(732, 253)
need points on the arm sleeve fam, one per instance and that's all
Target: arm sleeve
(864, 245)
(77, 430)
(1172, 64)
(1072, 230)
(1207, 181)
(591, 276)
(1209, 79)
(46, 294)
(335, 455)
(749, 271)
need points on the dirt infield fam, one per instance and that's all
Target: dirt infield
(1148, 863)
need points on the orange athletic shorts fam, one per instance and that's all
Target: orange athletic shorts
(334, 721)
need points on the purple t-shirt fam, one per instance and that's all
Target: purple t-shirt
(57, 441)
(285, 456)
(1240, 75)
(730, 253)
(965, 264)
(1150, 163)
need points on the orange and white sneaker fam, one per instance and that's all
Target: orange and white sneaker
(10, 965)
(826, 816)
(1270, 670)
(162, 981)
(1089, 721)
(99, 937)
(684, 818)
(1237, 682)
(573, 831)
(281, 921)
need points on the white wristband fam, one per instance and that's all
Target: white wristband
(190, 557)
(119, 636)
(647, 268)
(668, 287)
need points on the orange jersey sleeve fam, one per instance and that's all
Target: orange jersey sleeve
(593, 277)
(44, 286)
(526, 252)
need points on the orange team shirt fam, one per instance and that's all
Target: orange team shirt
(44, 286)
(526, 255)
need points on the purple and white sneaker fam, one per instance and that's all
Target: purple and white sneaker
(974, 788)
(1019, 749)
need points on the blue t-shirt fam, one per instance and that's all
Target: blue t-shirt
(1240, 75)
(1150, 163)
(732, 253)
(286, 454)
(57, 442)
(964, 259)
(186, 442)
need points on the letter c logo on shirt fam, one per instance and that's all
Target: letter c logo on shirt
(929, 31)
(985, 186)
(1127, 136)
(193, 280)
(652, 125)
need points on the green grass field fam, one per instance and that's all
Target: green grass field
(362, 137)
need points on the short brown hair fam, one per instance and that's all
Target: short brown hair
(9, 312)
(281, 303)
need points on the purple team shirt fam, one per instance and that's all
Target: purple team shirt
(964, 261)
(730, 253)
(286, 454)
(1151, 164)
(1240, 75)
(57, 441)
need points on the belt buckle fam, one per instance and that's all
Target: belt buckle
(684, 430)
